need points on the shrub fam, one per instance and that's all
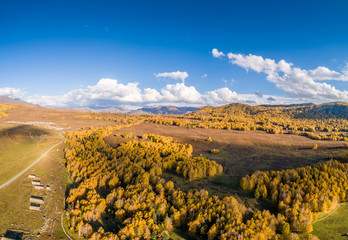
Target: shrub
(214, 150)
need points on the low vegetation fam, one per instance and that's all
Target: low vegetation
(4, 109)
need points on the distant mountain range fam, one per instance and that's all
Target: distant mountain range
(109, 110)
(145, 110)
(4, 99)
(304, 110)
(168, 110)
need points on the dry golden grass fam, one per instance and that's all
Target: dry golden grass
(65, 118)
(243, 152)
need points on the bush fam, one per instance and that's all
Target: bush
(214, 150)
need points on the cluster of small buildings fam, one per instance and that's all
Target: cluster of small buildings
(36, 201)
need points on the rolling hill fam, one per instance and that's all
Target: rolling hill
(166, 110)
(5, 99)
(299, 111)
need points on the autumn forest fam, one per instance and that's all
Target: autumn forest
(121, 192)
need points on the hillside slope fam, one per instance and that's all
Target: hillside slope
(4, 99)
(167, 110)
(337, 110)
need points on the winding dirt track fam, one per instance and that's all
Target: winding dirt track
(328, 214)
(36, 161)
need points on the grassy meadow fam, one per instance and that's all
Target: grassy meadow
(335, 226)
(20, 146)
(14, 199)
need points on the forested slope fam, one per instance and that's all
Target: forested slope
(319, 122)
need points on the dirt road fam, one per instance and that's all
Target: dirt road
(36, 161)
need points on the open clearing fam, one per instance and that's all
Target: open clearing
(14, 199)
(333, 227)
(21, 145)
(63, 118)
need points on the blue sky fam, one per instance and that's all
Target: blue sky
(108, 53)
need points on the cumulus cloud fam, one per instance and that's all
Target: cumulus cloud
(256, 63)
(174, 75)
(181, 93)
(222, 96)
(151, 95)
(323, 73)
(296, 82)
(11, 92)
(109, 92)
(173, 93)
(106, 90)
(112, 90)
(204, 75)
(217, 54)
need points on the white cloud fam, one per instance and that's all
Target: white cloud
(173, 93)
(323, 73)
(181, 93)
(108, 92)
(151, 95)
(174, 75)
(222, 96)
(204, 75)
(110, 89)
(11, 92)
(217, 54)
(296, 82)
(284, 66)
(105, 92)
(256, 63)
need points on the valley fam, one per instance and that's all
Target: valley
(188, 165)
